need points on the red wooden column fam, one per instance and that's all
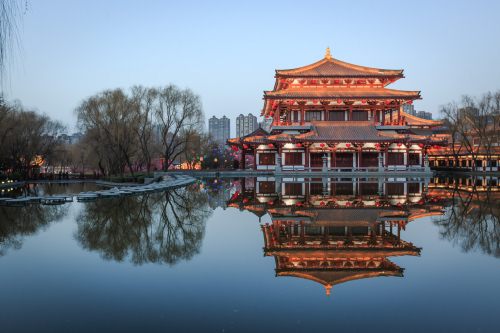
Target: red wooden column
(325, 108)
(255, 159)
(359, 155)
(302, 233)
(350, 112)
(399, 114)
(383, 116)
(306, 152)
(302, 112)
(390, 115)
(276, 118)
(242, 161)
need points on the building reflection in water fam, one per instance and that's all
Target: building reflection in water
(336, 230)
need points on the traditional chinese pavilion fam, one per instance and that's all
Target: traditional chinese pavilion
(333, 231)
(333, 115)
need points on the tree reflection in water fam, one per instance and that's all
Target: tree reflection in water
(159, 228)
(16, 223)
(472, 218)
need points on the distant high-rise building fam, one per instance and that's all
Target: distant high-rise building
(245, 124)
(424, 115)
(410, 109)
(219, 129)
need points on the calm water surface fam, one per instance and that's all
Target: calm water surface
(256, 255)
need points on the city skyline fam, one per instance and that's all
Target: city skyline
(441, 57)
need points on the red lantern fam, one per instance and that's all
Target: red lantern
(339, 101)
(245, 200)
(322, 203)
(299, 145)
(363, 101)
(336, 81)
(315, 101)
(348, 204)
(348, 145)
(270, 145)
(321, 145)
(399, 144)
(421, 145)
(245, 146)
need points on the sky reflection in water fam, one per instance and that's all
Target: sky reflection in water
(178, 261)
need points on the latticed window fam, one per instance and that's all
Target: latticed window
(336, 116)
(413, 188)
(342, 189)
(395, 158)
(413, 159)
(395, 188)
(343, 160)
(293, 158)
(368, 188)
(359, 115)
(315, 188)
(267, 187)
(313, 115)
(316, 160)
(267, 159)
(293, 189)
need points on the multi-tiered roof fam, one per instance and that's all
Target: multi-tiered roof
(337, 82)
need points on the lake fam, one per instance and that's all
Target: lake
(258, 255)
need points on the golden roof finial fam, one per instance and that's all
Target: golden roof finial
(327, 54)
(328, 289)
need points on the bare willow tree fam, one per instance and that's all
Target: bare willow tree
(180, 118)
(108, 119)
(10, 14)
(474, 125)
(143, 100)
(126, 130)
(25, 136)
(452, 118)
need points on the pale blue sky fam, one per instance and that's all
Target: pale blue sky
(227, 51)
